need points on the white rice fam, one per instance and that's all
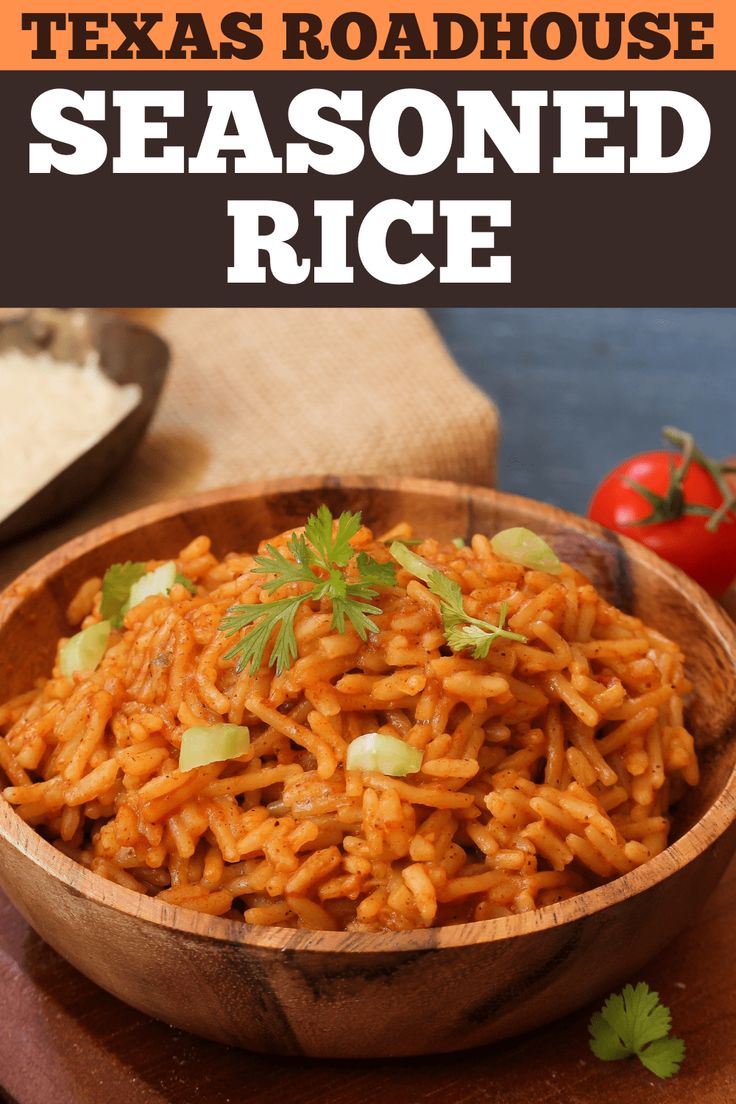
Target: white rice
(50, 413)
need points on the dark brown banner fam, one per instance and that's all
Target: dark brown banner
(462, 189)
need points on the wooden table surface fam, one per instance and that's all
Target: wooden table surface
(64, 1041)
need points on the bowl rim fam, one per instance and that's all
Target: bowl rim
(714, 823)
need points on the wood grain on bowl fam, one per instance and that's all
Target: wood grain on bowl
(343, 994)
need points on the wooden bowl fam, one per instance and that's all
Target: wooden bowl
(348, 995)
(128, 354)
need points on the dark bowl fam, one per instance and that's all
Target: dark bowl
(128, 354)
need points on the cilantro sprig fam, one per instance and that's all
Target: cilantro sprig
(461, 630)
(636, 1022)
(319, 559)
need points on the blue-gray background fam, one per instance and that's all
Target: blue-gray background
(581, 389)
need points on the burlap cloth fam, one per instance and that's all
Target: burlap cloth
(264, 393)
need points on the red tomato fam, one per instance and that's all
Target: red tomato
(709, 557)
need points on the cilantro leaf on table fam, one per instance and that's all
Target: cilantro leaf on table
(636, 1022)
(663, 1057)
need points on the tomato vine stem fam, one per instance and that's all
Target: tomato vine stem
(690, 452)
(672, 504)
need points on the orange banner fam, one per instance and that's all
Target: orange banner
(325, 35)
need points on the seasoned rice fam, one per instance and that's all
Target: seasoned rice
(549, 767)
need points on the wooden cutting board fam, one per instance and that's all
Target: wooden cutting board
(64, 1041)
